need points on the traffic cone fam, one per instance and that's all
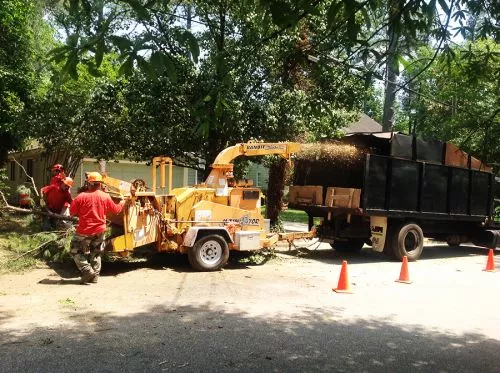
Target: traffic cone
(404, 276)
(343, 285)
(490, 264)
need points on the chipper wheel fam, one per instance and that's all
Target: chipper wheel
(210, 253)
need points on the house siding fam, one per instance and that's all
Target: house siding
(123, 170)
(259, 174)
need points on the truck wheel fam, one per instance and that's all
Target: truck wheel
(210, 253)
(351, 246)
(407, 240)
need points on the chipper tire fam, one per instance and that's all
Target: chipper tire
(406, 239)
(210, 253)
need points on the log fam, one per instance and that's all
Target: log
(40, 212)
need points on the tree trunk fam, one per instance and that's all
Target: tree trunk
(276, 184)
(392, 70)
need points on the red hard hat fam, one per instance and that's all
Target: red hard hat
(57, 167)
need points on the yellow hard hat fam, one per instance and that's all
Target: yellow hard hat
(94, 177)
(68, 181)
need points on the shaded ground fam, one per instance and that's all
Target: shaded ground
(279, 316)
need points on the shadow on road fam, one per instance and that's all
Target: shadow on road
(159, 261)
(366, 255)
(200, 339)
(245, 260)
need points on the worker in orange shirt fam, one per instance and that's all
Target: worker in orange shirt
(57, 199)
(57, 174)
(87, 244)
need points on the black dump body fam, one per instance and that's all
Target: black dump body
(404, 176)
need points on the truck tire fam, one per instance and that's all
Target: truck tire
(406, 239)
(209, 253)
(353, 245)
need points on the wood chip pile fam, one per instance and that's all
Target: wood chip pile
(330, 164)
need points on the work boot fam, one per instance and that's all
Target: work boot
(87, 278)
(94, 279)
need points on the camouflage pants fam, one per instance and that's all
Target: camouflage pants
(86, 252)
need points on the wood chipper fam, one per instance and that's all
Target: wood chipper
(205, 221)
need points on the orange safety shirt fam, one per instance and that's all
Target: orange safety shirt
(56, 198)
(91, 208)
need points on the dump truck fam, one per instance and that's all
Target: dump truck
(390, 190)
(205, 221)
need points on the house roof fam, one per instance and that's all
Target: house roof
(364, 124)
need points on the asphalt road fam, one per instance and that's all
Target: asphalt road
(279, 316)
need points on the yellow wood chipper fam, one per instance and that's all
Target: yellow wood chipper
(205, 221)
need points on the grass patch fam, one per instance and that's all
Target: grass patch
(22, 244)
(68, 302)
(293, 216)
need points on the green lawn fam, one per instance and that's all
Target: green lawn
(290, 215)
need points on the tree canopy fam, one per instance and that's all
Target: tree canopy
(140, 78)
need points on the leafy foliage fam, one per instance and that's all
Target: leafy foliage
(459, 100)
(16, 69)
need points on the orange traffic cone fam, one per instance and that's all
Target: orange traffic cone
(344, 285)
(404, 276)
(490, 264)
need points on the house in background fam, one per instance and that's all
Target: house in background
(260, 174)
(38, 164)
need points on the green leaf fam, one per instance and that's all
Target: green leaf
(282, 14)
(366, 16)
(207, 98)
(145, 67)
(70, 67)
(73, 6)
(99, 52)
(72, 40)
(139, 9)
(156, 61)
(127, 67)
(194, 47)
(171, 69)
(403, 61)
(93, 70)
(444, 6)
(332, 13)
(58, 54)
(122, 43)
(163, 63)
(431, 9)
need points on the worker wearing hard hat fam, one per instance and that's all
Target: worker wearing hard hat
(58, 174)
(87, 245)
(56, 198)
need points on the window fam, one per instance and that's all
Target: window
(29, 169)
(12, 171)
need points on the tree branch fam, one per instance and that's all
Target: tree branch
(438, 49)
(32, 180)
